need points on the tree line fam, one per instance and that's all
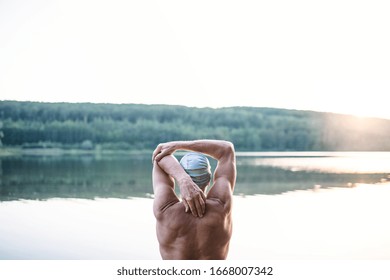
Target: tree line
(142, 127)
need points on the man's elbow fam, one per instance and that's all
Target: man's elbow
(230, 146)
(228, 149)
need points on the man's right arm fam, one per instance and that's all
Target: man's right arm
(224, 175)
(217, 149)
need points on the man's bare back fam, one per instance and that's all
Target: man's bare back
(190, 238)
(203, 231)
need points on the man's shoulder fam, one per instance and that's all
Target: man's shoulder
(223, 206)
(221, 191)
(166, 209)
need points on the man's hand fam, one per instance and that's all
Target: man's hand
(163, 150)
(193, 197)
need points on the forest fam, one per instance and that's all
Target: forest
(142, 127)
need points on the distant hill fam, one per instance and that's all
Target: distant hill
(135, 126)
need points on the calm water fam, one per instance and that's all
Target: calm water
(287, 205)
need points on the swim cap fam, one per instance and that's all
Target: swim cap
(198, 167)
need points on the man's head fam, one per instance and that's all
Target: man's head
(198, 167)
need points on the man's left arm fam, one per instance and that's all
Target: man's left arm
(163, 188)
(193, 197)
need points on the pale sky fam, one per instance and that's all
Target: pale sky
(316, 55)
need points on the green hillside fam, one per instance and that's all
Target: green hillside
(134, 126)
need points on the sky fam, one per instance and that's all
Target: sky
(328, 56)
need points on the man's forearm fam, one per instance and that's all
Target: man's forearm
(214, 148)
(172, 167)
(193, 198)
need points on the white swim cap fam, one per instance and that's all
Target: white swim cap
(198, 167)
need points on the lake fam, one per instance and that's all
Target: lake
(298, 205)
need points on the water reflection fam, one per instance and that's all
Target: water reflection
(336, 223)
(41, 178)
(75, 177)
(272, 180)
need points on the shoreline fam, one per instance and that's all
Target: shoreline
(17, 151)
(20, 152)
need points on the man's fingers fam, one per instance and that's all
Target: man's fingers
(160, 156)
(155, 153)
(157, 157)
(198, 206)
(195, 201)
(203, 205)
(192, 206)
(202, 201)
(203, 196)
(186, 205)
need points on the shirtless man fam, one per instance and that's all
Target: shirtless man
(200, 226)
